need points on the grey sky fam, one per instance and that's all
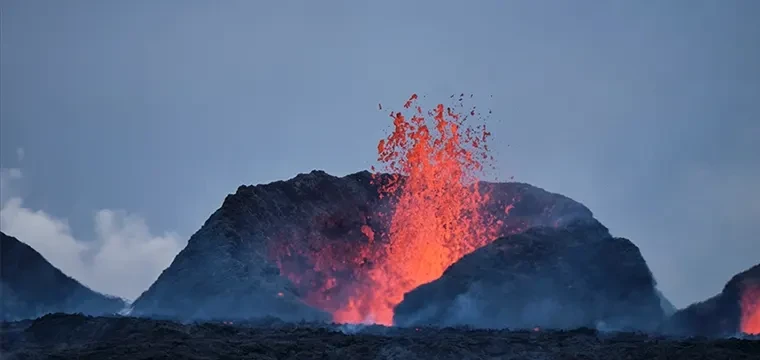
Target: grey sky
(646, 111)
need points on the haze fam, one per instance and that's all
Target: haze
(124, 124)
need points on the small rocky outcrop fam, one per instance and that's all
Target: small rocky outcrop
(720, 315)
(566, 277)
(30, 286)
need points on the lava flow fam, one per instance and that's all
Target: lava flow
(750, 304)
(437, 215)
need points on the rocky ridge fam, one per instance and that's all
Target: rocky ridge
(30, 286)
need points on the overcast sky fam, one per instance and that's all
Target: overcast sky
(125, 123)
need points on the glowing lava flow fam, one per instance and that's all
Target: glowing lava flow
(437, 216)
(750, 323)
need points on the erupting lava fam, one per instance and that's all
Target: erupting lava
(437, 215)
(750, 305)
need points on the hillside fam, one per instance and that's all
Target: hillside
(31, 286)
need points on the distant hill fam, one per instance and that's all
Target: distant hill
(30, 286)
(724, 313)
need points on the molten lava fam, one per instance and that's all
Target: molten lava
(437, 215)
(750, 305)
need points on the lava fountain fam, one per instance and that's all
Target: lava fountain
(437, 218)
(750, 305)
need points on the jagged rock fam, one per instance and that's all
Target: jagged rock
(31, 286)
(257, 254)
(567, 277)
(719, 315)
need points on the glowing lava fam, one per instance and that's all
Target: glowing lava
(437, 215)
(750, 305)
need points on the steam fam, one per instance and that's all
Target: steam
(123, 259)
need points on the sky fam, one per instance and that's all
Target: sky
(123, 124)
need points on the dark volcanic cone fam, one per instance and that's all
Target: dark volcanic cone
(306, 247)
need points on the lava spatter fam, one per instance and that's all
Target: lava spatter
(431, 164)
(437, 215)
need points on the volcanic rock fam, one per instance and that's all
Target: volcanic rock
(61, 336)
(566, 277)
(31, 286)
(271, 249)
(720, 315)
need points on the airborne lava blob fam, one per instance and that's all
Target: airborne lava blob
(750, 305)
(437, 215)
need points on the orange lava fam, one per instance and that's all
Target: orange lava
(750, 323)
(437, 215)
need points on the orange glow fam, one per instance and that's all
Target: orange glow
(437, 217)
(750, 323)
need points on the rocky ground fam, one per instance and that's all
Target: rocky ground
(60, 336)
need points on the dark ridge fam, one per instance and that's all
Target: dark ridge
(31, 286)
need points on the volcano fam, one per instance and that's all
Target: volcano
(302, 249)
(735, 310)
(350, 248)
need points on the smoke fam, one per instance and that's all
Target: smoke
(122, 259)
(351, 329)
